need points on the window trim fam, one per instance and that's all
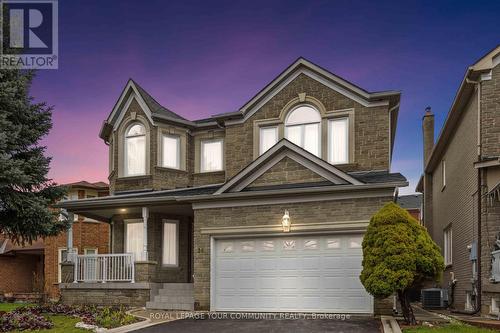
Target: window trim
(329, 140)
(59, 262)
(448, 245)
(204, 141)
(276, 132)
(303, 127)
(176, 222)
(126, 222)
(179, 147)
(125, 150)
(443, 174)
(90, 248)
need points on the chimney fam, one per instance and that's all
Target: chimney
(428, 133)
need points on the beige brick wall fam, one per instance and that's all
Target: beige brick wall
(287, 171)
(456, 203)
(307, 212)
(490, 115)
(371, 126)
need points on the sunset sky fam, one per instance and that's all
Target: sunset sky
(208, 57)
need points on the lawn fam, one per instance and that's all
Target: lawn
(11, 306)
(452, 328)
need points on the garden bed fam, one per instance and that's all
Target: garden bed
(60, 318)
(446, 328)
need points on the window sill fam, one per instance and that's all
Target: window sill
(162, 168)
(133, 177)
(209, 172)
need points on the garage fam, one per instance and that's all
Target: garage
(308, 273)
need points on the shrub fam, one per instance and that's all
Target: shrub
(398, 254)
(23, 320)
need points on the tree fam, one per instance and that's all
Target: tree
(398, 254)
(25, 191)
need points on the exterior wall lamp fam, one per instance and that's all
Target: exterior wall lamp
(285, 222)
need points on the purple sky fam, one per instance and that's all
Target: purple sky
(203, 58)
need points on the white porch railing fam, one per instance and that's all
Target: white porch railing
(104, 268)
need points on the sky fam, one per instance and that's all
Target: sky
(207, 57)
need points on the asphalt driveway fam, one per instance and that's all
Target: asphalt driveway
(351, 325)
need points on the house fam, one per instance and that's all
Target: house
(261, 209)
(36, 266)
(413, 204)
(460, 186)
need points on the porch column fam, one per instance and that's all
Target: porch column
(145, 216)
(69, 246)
(69, 237)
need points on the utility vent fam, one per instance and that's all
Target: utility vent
(434, 298)
(495, 266)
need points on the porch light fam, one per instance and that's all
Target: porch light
(123, 210)
(285, 222)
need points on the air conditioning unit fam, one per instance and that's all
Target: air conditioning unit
(434, 298)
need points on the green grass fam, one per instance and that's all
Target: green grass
(11, 306)
(451, 328)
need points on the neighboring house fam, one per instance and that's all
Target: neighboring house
(36, 266)
(413, 204)
(261, 209)
(460, 187)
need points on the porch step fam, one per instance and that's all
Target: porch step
(173, 296)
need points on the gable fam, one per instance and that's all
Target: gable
(280, 163)
(303, 67)
(287, 171)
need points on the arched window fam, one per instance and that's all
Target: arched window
(135, 150)
(302, 127)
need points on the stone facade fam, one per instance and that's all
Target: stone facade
(306, 212)
(111, 294)
(287, 171)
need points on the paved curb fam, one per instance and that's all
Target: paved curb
(390, 324)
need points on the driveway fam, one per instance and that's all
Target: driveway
(351, 325)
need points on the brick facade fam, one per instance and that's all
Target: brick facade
(21, 273)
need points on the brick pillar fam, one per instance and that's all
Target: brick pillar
(145, 271)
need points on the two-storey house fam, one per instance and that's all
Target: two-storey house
(261, 209)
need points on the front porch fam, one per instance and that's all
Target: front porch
(151, 255)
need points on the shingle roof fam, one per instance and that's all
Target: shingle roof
(410, 201)
(86, 184)
(156, 107)
(372, 177)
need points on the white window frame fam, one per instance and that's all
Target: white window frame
(59, 261)
(448, 245)
(178, 157)
(443, 174)
(176, 223)
(202, 146)
(276, 135)
(303, 128)
(126, 223)
(86, 250)
(330, 140)
(125, 150)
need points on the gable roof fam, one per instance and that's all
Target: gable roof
(480, 70)
(279, 151)
(412, 201)
(86, 184)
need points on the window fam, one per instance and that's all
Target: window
(443, 173)
(302, 127)
(62, 257)
(311, 244)
(248, 246)
(211, 155)
(356, 242)
(268, 138)
(289, 244)
(134, 238)
(170, 246)
(448, 248)
(333, 243)
(171, 153)
(338, 141)
(135, 151)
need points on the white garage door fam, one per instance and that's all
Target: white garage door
(299, 273)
